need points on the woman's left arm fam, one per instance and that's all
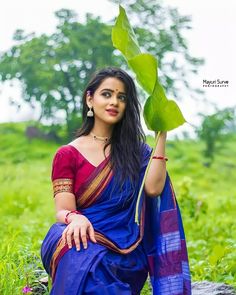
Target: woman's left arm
(156, 176)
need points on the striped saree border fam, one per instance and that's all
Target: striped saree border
(94, 189)
(61, 249)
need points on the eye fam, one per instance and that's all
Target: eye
(122, 97)
(106, 94)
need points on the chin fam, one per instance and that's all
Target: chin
(109, 120)
(112, 122)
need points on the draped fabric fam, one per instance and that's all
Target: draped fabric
(125, 252)
(165, 244)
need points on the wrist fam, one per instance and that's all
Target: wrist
(160, 158)
(163, 134)
(70, 215)
(74, 217)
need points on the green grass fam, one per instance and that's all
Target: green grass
(207, 197)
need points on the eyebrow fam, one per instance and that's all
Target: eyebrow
(107, 89)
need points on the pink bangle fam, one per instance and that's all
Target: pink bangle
(160, 158)
(71, 212)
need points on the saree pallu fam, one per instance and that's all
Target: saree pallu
(125, 252)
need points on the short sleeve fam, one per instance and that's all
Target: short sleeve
(63, 171)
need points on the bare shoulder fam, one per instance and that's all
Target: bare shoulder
(80, 142)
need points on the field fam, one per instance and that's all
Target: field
(207, 197)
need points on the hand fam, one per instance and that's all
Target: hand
(78, 229)
(163, 134)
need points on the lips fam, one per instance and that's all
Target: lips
(112, 112)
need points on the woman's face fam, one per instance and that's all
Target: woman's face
(108, 101)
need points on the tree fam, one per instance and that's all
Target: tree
(160, 32)
(213, 128)
(54, 69)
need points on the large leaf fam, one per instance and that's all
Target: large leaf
(160, 114)
(148, 76)
(123, 36)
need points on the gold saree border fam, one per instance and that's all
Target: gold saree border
(89, 196)
(55, 256)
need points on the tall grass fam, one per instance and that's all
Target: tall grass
(207, 197)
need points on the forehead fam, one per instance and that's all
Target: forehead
(113, 84)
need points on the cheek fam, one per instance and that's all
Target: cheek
(124, 108)
(99, 101)
(123, 111)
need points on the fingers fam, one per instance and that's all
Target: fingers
(77, 238)
(79, 234)
(91, 233)
(69, 234)
(83, 236)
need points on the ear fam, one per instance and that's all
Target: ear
(89, 100)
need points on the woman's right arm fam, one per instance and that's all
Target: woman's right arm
(63, 173)
(79, 227)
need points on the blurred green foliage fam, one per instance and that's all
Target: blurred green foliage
(214, 129)
(54, 69)
(207, 198)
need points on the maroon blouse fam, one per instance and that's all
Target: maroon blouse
(70, 169)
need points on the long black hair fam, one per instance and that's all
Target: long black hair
(127, 136)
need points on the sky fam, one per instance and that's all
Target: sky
(212, 37)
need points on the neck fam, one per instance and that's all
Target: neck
(102, 130)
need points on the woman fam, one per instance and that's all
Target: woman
(96, 247)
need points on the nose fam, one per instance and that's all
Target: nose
(114, 100)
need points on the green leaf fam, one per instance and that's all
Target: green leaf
(148, 76)
(123, 36)
(160, 114)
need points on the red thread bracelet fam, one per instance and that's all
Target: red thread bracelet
(70, 212)
(160, 158)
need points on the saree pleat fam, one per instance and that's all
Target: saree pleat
(125, 252)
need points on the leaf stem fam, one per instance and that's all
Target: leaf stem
(144, 178)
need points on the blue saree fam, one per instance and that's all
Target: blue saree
(125, 252)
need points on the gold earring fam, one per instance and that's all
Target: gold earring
(90, 112)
